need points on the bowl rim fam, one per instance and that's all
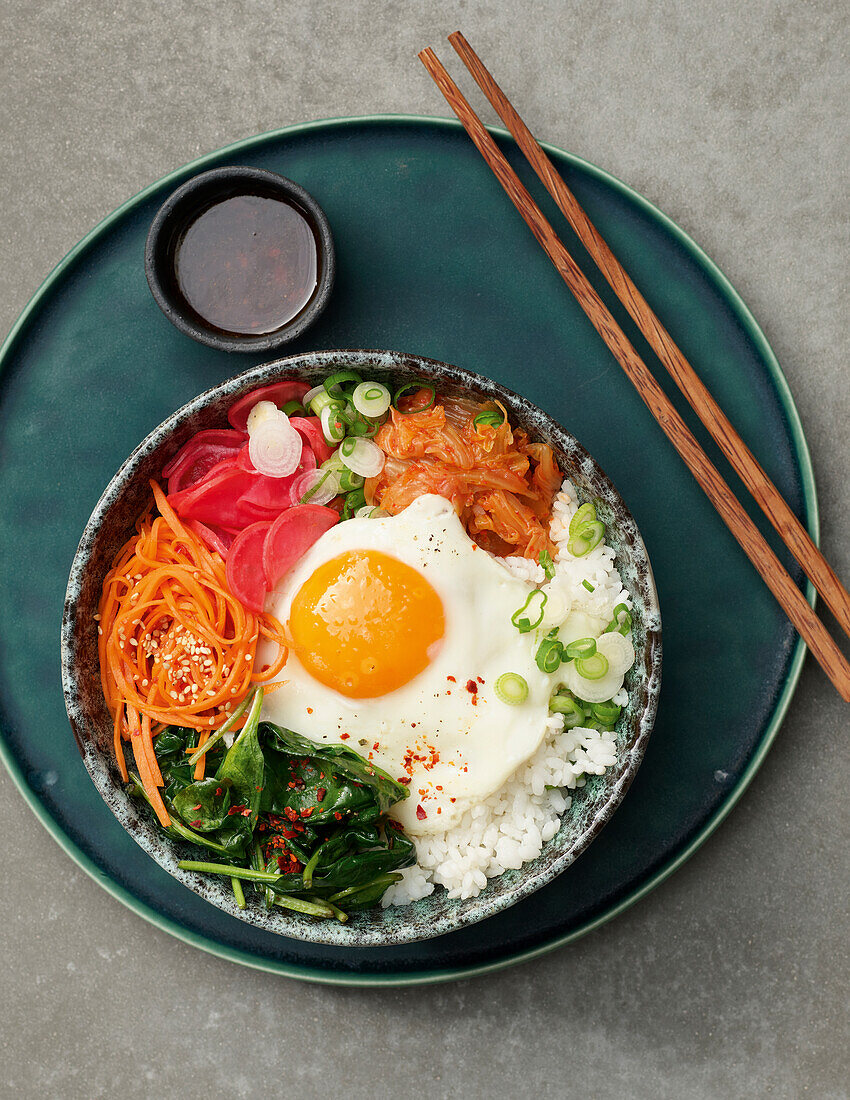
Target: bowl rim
(475, 909)
(158, 240)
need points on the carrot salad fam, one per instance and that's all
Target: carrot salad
(501, 485)
(175, 646)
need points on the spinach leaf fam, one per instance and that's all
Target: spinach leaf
(204, 804)
(344, 761)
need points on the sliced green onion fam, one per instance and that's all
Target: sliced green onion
(348, 480)
(354, 500)
(333, 426)
(545, 559)
(490, 419)
(511, 688)
(590, 587)
(606, 713)
(293, 408)
(371, 399)
(334, 382)
(319, 401)
(534, 605)
(362, 456)
(564, 703)
(592, 668)
(586, 539)
(363, 428)
(622, 626)
(585, 514)
(580, 648)
(414, 386)
(550, 653)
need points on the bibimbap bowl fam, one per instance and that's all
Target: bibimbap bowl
(589, 803)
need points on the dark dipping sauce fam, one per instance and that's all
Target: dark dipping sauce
(249, 264)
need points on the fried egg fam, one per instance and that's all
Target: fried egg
(400, 628)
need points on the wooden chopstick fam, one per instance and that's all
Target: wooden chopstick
(764, 492)
(796, 607)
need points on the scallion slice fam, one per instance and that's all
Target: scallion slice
(606, 713)
(489, 419)
(580, 648)
(320, 400)
(333, 427)
(621, 621)
(585, 514)
(563, 702)
(293, 408)
(511, 688)
(590, 587)
(411, 386)
(334, 382)
(587, 538)
(550, 653)
(530, 615)
(545, 559)
(362, 456)
(592, 668)
(371, 399)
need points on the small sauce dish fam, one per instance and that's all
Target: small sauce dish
(240, 259)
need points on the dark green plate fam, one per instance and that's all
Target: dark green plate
(432, 260)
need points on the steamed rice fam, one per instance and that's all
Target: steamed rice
(511, 827)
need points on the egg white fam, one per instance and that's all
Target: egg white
(466, 743)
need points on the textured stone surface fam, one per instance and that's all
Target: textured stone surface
(732, 978)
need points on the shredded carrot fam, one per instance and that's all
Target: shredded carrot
(175, 646)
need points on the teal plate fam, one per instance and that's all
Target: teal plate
(433, 261)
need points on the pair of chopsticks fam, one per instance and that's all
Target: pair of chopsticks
(764, 492)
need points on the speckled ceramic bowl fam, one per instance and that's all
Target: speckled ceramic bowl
(112, 521)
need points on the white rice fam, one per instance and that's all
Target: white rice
(510, 827)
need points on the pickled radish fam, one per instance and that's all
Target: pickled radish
(291, 535)
(245, 576)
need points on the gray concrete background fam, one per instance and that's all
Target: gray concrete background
(731, 980)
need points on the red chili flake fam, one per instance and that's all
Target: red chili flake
(337, 815)
(261, 827)
(439, 788)
(246, 812)
(290, 834)
(198, 807)
(452, 800)
(394, 824)
(307, 812)
(480, 681)
(420, 813)
(471, 687)
(453, 680)
(376, 746)
(321, 775)
(405, 779)
(475, 700)
(320, 794)
(196, 824)
(219, 791)
(439, 810)
(258, 788)
(413, 725)
(309, 710)
(236, 810)
(290, 813)
(344, 736)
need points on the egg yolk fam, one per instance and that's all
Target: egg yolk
(365, 623)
